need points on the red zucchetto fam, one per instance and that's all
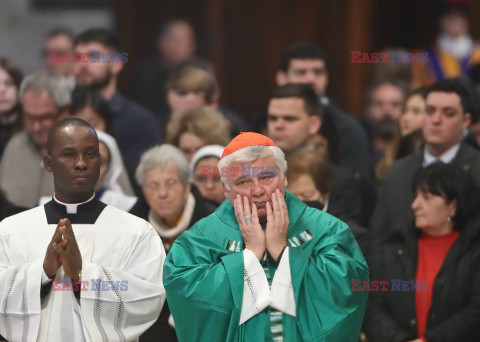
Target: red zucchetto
(245, 139)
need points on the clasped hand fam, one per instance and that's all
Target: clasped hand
(63, 251)
(274, 238)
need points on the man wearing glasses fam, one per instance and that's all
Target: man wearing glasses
(45, 100)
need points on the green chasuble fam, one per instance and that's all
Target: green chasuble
(204, 276)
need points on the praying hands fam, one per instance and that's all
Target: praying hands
(63, 251)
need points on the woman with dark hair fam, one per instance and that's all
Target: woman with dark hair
(10, 120)
(326, 140)
(88, 105)
(408, 137)
(311, 177)
(433, 271)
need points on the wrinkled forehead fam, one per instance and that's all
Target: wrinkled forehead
(258, 168)
(166, 173)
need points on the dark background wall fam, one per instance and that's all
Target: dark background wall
(244, 37)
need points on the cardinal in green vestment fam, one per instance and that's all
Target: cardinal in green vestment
(264, 266)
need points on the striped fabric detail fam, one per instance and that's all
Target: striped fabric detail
(276, 317)
(26, 317)
(120, 307)
(97, 310)
(6, 320)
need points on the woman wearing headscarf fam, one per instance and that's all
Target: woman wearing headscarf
(204, 174)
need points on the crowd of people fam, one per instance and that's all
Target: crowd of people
(391, 199)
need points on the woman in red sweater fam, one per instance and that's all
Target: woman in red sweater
(433, 272)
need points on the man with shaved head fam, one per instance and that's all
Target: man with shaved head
(77, 269)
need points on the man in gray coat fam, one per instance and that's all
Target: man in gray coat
(45, 99)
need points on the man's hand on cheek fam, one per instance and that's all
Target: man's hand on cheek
(252, 232)
(277, 225)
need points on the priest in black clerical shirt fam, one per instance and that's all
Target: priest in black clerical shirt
(78, 240)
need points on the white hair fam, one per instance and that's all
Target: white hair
(251, 153)
(56, 85)
(160, 157)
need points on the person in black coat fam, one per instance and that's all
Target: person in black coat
(447, 115)
(436, 265)
(294, 118)
(306, 62)
(134, 127)
(312, 179)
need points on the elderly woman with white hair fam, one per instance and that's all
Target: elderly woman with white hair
(170, 205)
(264, 266)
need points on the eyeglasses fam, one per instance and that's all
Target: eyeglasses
(43, 119)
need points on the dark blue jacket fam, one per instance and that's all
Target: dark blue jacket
(134, 128)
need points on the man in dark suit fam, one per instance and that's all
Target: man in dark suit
(305, 62)
(447, 116)
(134, 127)
(175, 43)
(294, 117)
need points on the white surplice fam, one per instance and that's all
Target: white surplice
(117, 247)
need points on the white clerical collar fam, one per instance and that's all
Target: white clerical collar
(72, 207)
(446, 158)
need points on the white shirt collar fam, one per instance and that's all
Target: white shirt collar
(446, 158)
(72, 207)
(324, 100)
